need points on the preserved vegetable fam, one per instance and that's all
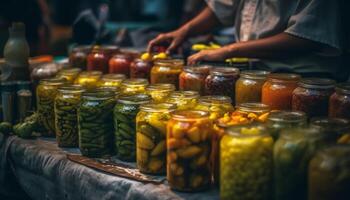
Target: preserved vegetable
(339, 103)
(184, 100)
(167, 71)
(160, 92)
(193, 78)
(134, 86)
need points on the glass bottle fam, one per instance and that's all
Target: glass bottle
(333, 128)
(141, 69)
(78, 56)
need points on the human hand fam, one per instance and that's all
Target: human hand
(209, 55)
(175, 38)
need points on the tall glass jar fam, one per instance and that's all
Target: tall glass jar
(249, 86)
(339, 103)
(188, 150)
(184, 100)
(312, 96)
(120, 64)
(281, 120)
(141, 69)
(134, 86)
(222, 81)
(45, 98)
(292, 153)
(66, 117)
(329, 174)
(88, 79)
(278, 89)
(95, 122)
(112, 80)
(193, 79)
(97, 60)
(124, 114)
(333, 128)
(151, 124)
(78, 56)
(69, 74)
(160, 92)
(246, 163)
(167, 71)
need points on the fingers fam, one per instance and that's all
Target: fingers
(174, 45)
(159, 39)
(195, 58)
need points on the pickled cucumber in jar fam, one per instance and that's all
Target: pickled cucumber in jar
(66, 118)
(95, 121)
(188, 150)
(246, 163)
(124, 113)
(151, 124)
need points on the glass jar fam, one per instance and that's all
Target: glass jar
(292, 153)
(120, 64)
(66, 118)
(45, 98)
(112, 80)
(95, 121)
(339, 103)
(249, 86)
(134, 86)
(280, 120)
(124, 114)
(278, 89)
(78, 56)
(69, 74)
(246, 113)
(217, 106)
(312, 96)
(188, 150)
(151, 124)
(329, 174)
(167, 71)
(246, 163)
(110, 50)
(141, 69)
(221, 81)
(88, 79)
(184, 100)
(160, 92)
(333, 128)
(97, 60)
(193, 79)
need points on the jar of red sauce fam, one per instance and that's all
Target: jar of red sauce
(110, 50)
(120, 64)
(339, 103)
(278, 89)
(78, 56)
(140, 68)
(97, 60)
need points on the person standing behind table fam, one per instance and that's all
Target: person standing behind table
(294, 36)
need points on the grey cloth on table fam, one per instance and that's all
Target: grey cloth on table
(44, 172)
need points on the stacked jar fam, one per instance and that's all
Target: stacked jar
(141, 69)
(88, 79)
(193, 79)
(184, 100)
(160, 92)
(278, 89)
(167, 71)
(222, 81)
(133, 86)
(249, 86)
(339, 102)
(69, 74)
(112, 80)
(312, 96)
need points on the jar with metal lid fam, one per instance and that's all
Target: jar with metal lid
(281, 120)
(160, 92)
(120, 64)
(151, 124)
(97, 60)
(222, 81)
(66, 115)
(329, 174)
(141, 69)
(110, 50)
(167, 71)
(124, 113)
(249, 86)
(292, 153)
(88, 79)
(184, 100)
(217, 106)
(69, 74)
(95, 122)
(113, 80)
(246, 163)
(134, 86)
(45, 98)
(339, 102)
(312, 96)
(78, 56)
(333, 128)
(193, 78)
(188, 150)
(278, 89)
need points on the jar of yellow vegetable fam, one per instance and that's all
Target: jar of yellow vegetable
(88, 79)
(69, 74)
(217, 106)
(184, 100)
(160, 92)
(134, 86)
(112, 80)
